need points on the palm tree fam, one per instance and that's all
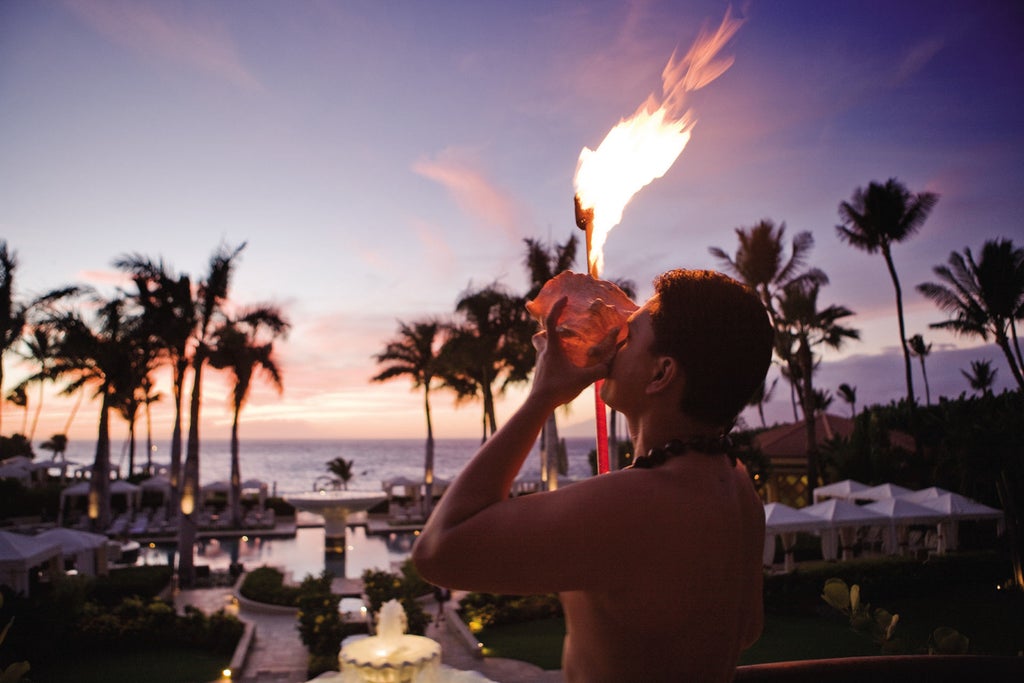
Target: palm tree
(983, 297)
(12, 314)
(414, 353)
(210, 297)
(341, 469)
(981, 377)
(169, 314)
(849, 394)
(19, 397)
(874, 219)
(485, 346)
(543, 263)
(799, 316)
(760, 262)
(921, 350)
(762, 395)
(244, 346)
(97, 353)
(39, 345)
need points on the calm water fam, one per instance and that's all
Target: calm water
(293, 466)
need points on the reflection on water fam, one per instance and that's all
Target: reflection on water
(301, 555)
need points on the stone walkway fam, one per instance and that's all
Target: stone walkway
(277, 654)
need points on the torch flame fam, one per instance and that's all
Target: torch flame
(643, 147)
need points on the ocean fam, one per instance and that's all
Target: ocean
(292, 465)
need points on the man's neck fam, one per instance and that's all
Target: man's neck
(655, 433)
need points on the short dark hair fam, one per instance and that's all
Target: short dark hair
(718, 330)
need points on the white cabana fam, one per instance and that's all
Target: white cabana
(158, 483)
(215, 487)
(86, 551)
(131, 492)
(843, 519)
(784, 521)
(844, 490)
(902, 514)
(924, 494)
(22, 555)
(881, 492)
(956, 508)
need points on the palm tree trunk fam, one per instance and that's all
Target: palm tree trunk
(807, 401)
(190, 494)
(99, 484)
(428, 461)
(927, 390)
(551, 452)
(179, 392)
(35, 417)
(149, 441)
(903, 330)
(1004, 344)
(1016, 344)
(131, 447)
(235, 490)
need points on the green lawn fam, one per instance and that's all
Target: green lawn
(178, 665)
(992, 620)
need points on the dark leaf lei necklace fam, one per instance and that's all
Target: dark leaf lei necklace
(711, 445)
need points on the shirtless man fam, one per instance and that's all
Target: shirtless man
(659, 567)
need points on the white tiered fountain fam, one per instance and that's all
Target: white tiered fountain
(335, 507)
(391, 656)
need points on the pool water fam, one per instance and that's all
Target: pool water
(300, 555)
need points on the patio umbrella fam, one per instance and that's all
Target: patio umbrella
(843, 518)
(841, 489)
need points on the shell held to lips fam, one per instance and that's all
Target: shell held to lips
(595, 307)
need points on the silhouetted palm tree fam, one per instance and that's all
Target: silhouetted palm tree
(19, 397)
(762, 395)
(849, 394)
(809, 327)
(12, 314)
(97, 352)
(921, 350)
(39, 345)
(983, 297)
(878, 217)
(244, 346)
(981, 377)
(169, 314)
(341, 469)
(414, 354)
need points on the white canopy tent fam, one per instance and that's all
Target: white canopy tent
(21, 555)
(881, 492)
(924, 494)
(843, 490)
(902, 514)
(87, 551)
(957, 508)
(843, 520)
(784, 521)
(131, 492)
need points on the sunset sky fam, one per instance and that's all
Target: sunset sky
(381, 157)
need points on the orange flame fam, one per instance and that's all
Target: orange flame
(643, 147)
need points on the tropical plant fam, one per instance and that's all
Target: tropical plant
(800, 318)
(19, 397)
(57, 444)
(878, 217)
(762, 395)
(485, 347)
(39, 350)
(97, 352)
(414, 354)
(244, 346)
(542, 263)
(849, 394)
(135, 394)
(981, 377)
(342, 470)
(211, 295)
(920, 349)
(169, 315)
(12, 314)
(983, 297)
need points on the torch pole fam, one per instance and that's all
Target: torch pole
(585, 222)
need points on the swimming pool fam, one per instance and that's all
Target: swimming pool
(299, 555)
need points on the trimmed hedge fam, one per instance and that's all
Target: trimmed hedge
(266, 584)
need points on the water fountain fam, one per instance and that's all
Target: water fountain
(334, 507)
(391, 656)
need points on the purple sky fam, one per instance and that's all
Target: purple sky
(381, 157)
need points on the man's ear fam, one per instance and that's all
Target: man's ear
(666, 371)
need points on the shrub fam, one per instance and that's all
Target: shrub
(381, 586)
(488, 609)
(142, 582)
(266, 584)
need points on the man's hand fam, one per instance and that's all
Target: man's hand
(556, 379)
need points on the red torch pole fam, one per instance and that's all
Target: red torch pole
(585, 222)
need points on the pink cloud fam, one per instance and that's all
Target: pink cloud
(475, 194)
(152, 30)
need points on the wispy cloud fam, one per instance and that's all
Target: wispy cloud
(458, 172)
(156, 30)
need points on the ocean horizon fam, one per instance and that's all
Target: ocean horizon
(292, 465)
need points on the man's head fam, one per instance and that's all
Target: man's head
(719, 333)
